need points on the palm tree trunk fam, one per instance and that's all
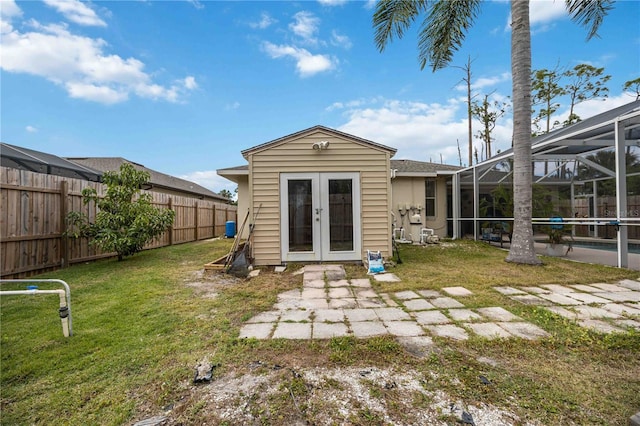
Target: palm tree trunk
(522, 250)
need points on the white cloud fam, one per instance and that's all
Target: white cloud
(305, 25)
(190, 83)
(9, 9)
(545, 11)
(81, 65)
(340, 40)
(593, 107)
(307, 64)
(420, 131)
(232, 106)
(265, 21)
(196, 3)
(483, 82)
(77, 12)
(210, 180)
(332, 2)
(31, 129)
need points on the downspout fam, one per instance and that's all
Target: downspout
(621, 194)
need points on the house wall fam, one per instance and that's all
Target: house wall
(243, 205)
(411, 190)
(297, 156)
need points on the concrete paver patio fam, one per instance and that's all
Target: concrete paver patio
(329, 306)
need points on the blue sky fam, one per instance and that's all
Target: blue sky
(183, 86)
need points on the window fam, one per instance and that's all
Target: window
(430, 197)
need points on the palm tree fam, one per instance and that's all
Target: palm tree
(442, 33)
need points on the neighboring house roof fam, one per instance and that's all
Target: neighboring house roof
(156, 179)
(301, 133)
(421, 168)
(40, 162)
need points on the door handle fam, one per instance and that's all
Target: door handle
(318, 210)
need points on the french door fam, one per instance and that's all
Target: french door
(320, 217)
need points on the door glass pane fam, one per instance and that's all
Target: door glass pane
(340, 215)
(300, 215)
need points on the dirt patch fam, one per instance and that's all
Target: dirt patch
(208, 284)
(276, 395)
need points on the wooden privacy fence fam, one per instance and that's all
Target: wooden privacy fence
(33, 208)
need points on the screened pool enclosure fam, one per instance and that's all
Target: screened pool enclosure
(586, 178)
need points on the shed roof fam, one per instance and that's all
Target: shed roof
(302, 133)
(158, 179)
(40, 162)
(420, 168)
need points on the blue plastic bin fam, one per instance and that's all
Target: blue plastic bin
(230, 229)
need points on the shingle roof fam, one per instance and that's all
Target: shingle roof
(159, 179)
(421, 167)
(40, 162)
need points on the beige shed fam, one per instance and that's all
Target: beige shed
(318, 195)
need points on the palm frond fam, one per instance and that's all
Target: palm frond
(589, 13)
(393, 17)
(444, 30)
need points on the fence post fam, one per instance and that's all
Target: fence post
(171, 227)
(196, 221)
(214, 220)
(65, 251)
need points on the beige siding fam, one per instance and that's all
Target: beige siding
(411, 190)
(298, 156)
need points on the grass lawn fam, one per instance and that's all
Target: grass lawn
(141, 325)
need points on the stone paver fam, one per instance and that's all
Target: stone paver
(457, 291)
(609, 287)
(257, 331)
(269, 316)
(340, 293)
(313, 293)
(431, 317)
(586, 288)
(368, 329)
(463, 315)
(589, 312)
(555, 288)
(418, 305)
(358, 315)
(361, 282)
(560, 299)
(386, 278)
(323, 330)
(446, 302)
(329, 315)
(508, 291)
(388, 300)
(406, 295)
(292, 330)
(429, 293)
(370, 303)
(338, 283)
(403, 328)
(449, 330)
(314, 283)
(621, 296)
(392, 314)
(587, 298)
(630, 284)
(523, 329)
(536, 290)
(602, 307)
(600, 326)
(349, 303)
(530, 299)
(497, 314)
(488, 330)
(325, 307)
(296, 315)
(621, 309)
(365, 293)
